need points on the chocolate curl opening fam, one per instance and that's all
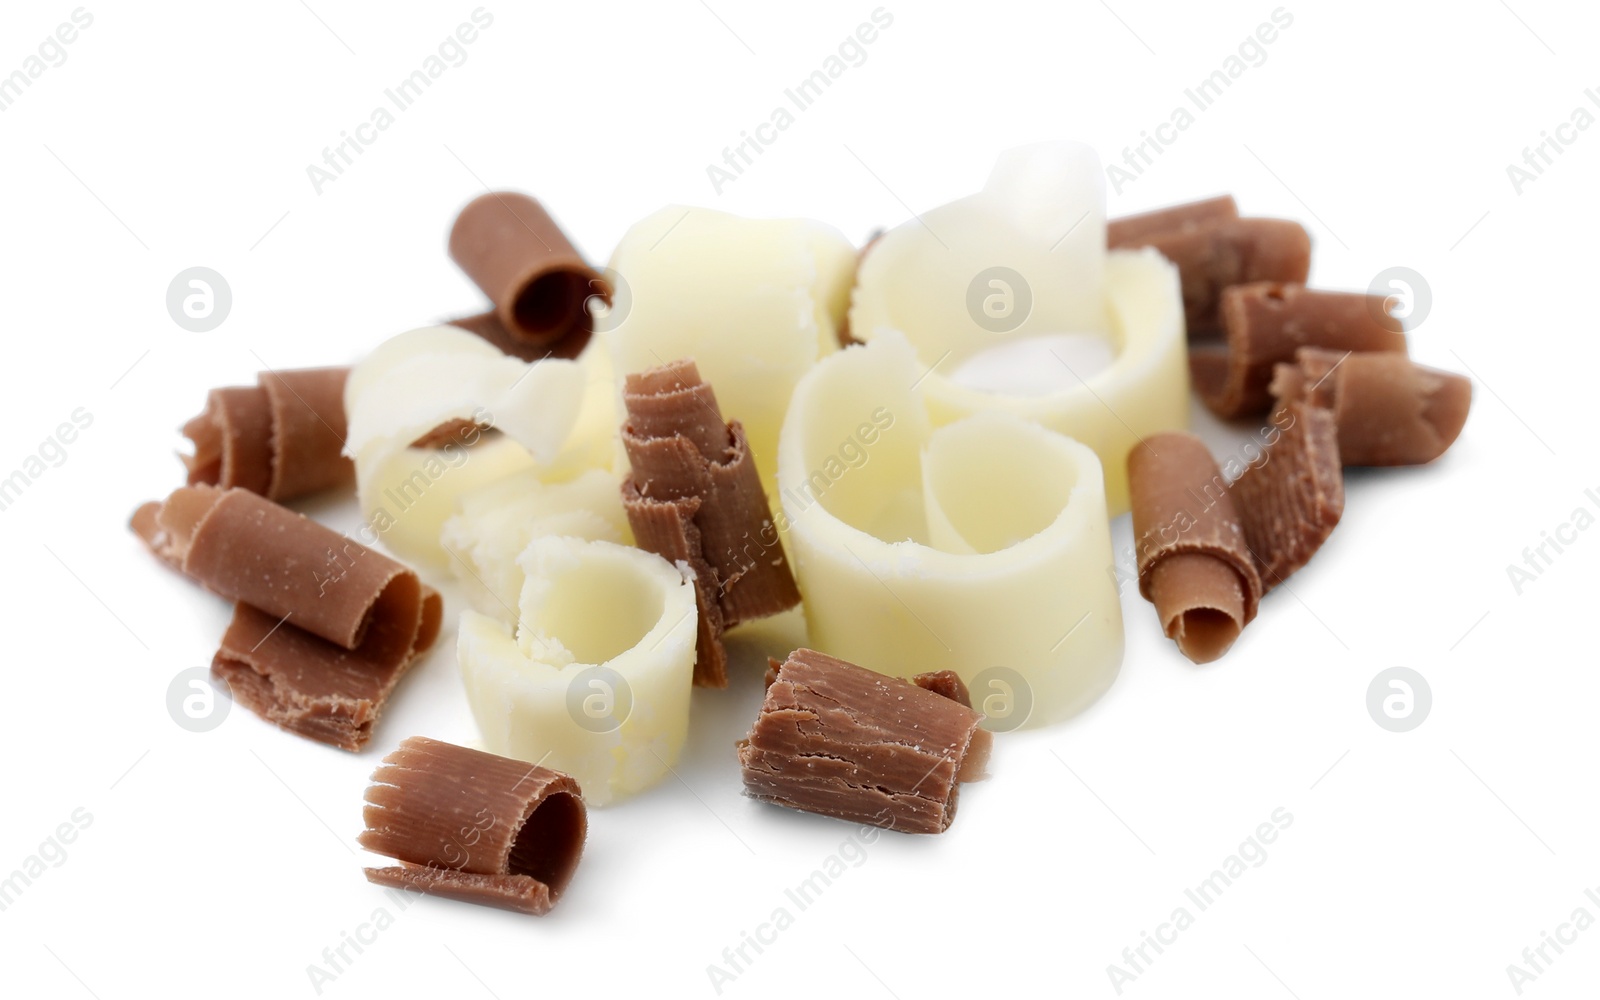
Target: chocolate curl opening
(1389, 410)
(1201, 604)
(512, 249)
(1265, 323)
(474, 826)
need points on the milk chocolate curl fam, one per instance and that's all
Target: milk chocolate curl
(508, 244)
(472, 826)
(1292, 499)
(843, 741)
(695, 498)
(1212, 256)
(1131, 230)
(323, 627)
(281, 438)
(1388, 409)
(489, 327)
(1266, 323)
(1194, 564)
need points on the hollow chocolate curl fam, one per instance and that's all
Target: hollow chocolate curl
(1214, 255)
(490, 327)
(843, 741)
(539, 284)
(281, 438)
(1130, 230)
(1292, 500)
(1388, 409)
(473, 826)
(323, 627)
(1194, 563)
(694, 497)
(1266, 323)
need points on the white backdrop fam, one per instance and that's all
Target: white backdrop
(1413, 864)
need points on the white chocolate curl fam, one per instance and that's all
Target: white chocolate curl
(754, 302)
(1041, 217)
(594, 679)
(418, 381)
(977, 545)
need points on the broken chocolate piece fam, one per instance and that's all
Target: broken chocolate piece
(1130, 230)
(947, 683)
(1265, 323)
(323, 627)
(472, 826)
(1389, 410)
(511, 248)
(282, 438)
(1210, 257)
(843, 741)
(1194, 564)
(695, 498)
(1291, 501)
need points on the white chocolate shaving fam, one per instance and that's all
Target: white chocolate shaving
(980, 544)
(754, 302)
(1040, 216)
(423, 379)
(594, 678)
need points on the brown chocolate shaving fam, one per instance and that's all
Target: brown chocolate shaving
(472, 826)
(1212, 256)
(946, 683)
(1135, 230)
(1194, 562)
(1292, 500)
(539, 284)
(1266, 323)
(1389, 410)
(323, 627)
(695, 498)
(282, 438)
(843, 741)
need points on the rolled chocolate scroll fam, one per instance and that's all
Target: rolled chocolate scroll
(1194, 564)
(1214, 249)
(281, 438)
(1266, 322)
(1388, 409)
(1292, 500)
(472, 826)
(323, 627)
(840, 740)
(695, 497)
(513, 250)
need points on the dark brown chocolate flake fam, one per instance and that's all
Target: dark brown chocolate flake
(843, 741)
(694, 497)
(474, 826)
